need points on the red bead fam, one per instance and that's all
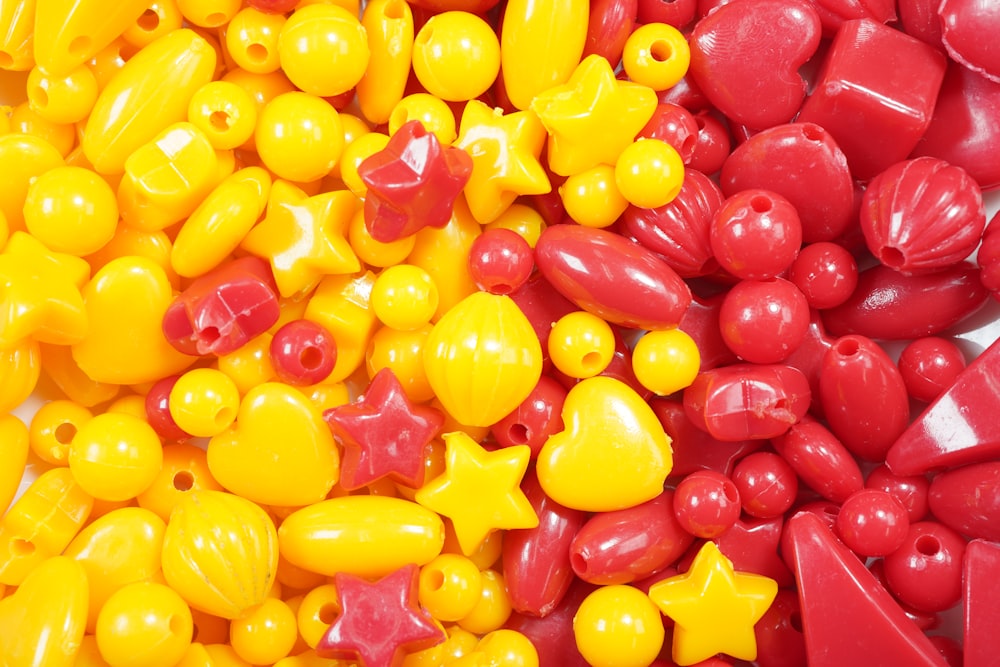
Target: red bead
(158, 410)
(753, 544)
(963, 24)
(677, 13)
(764, 321)
(834, 14)
(981, 583)
(535, 419)
(929, 366)
(675, 125)
(988, 256)
(926, 571)
(826, 273)
(949, 649)
(872, 523)
(767, 484)
(706, 503)
(820, 460)
(712, 147)
(685, 93)
(694, 449)
(273, 6)
(919, 19)
(500, 261)
(552, 634)
(910, 491)
(756, 234)
(303, 352)
(780, 642)
(701, 322)
(543, 306)
(967, 499)
(610, 24)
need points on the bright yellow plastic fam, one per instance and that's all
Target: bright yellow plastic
(656, 55)
(581, 344)
(456, 56)
(279, 451)
(433, 112)
(250, 365)
(52, 430)
(144, 624)
(450, 587)
(115, 456)
(458, 644)
(323, 49)
(342, 304)
(493, 608)
(354, 154)
(42, 622)
(62, 99)
(17, 44)
(316, 611)
(204, 402)
(649, 173)
(220, 552)
(508, 648)
(25, 120)
(151, 92)
(373, 252)
(225, 112)
(404, 297)
(185, 469)
(483, 358)
(71, 210)
(266, 634)
(665, 361)
(713, 607)
(60, 367)
(367, 536)
(299, 137)
(592, 198)
(578, 469)
(19, 371)
(159, 18)
(23, 157)
(252, 40)
(74, 30)
(209, 13)
(618, 626)
(389, 26)
(129, 241)
(14, 439)
(403, 352)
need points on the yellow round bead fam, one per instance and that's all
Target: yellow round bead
(354, 154)
(62, 99)
(523, 220)
(144, 624)
(130, 404)
(252, 40)
(184, 470)
(53, 428)
(404, 297)
(592, 198)
(323, 49)
(319, 608)
(450, 587)
(299, 137)
(581, 344)
(508, 648)
(456, 56)
(204, 402)
(656, 55)
(493, 608)
(225, 112)
(433, 112)
(266, 634)
(115, 456)
(209, 13)
(71, 210)
(665, 361)
(403, 352)
(25, 120)
(373, 252)
(649, 173)
(618, 626)
(160, 18)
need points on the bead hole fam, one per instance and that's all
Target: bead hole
(21, 548)
(65, 433)
(891, 257)
(578, 562)
(148, 21)
(209, 335)
(795, 620)
(215, 19)
(847, 348)
(661, 51)
(394, 10)
(424, 36)
(435, 580)
(257, 53)
(928, 545)
(730, 492)
(220, 120)
(831, 511)
(518, 434)
(183, 481)
(6, 60)
(591, 361)
(224, 416)
(175, 624)
(79, 46)
(328, 613)
(760, 204)
(812, 133)
(310, 358)
(39, 97)
(501, 288)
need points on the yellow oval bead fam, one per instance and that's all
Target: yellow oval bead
(144, 624)
(115, 456)
(665, 361)
(17, 38)
(75, 31)
(389, 26)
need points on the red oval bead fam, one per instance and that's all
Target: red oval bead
(826, 273)
(610, 24)
(694, 449)
(929, 366)
(820, 460)
(706, 503)
(767, 484)
(968, 499)
(872, 523)
(764, 321)
(303, 352)
(926, 571)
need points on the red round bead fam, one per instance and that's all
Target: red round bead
(929, 366)
(826, 273)
(764, 321)
(675, 125)
(303, 353)
(872, 523)
(780, 642)
(535, 419)
(500, 261)
(158, 410)
(712, 147)
(273, 6)
(766, 483)
(756, 234)
(706, 503)
(910, 491)
(926, 571)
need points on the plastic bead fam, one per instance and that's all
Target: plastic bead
(820, 460)
(524, 220)
(299, 136)
(250, 365)
(203, 402)
(493, 608)
(978, 583)
(764, 321)
(925, 572)
(909, 491)
(608, 28)
(753, 545)
(404, 297)
(323, 49)
(872, 523)
(224, 112)
(963, 499)
(656, 55)
(649, 173)
(500, 261)
(342, 305)
(666, 361)
(779, 633)
(592, 198)
(535, 419)
(71, 210)
(115, 456)
(450, 587)
(930, 366)
(185, 469)
(389, 27)
(52, 430)
(581, 345)
(303, 353)
(456, 56)
(756, 234)
(14, 446)
(766, 483)
(144, 624)
(252, 40)
(212, 14)
(433, 112)
(65, 99)
(24, 157)
(618, 625)
(826, 274)
(265, 635)
(158, 19)
(706, 503)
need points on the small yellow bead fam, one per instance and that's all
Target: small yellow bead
(450, 587)
(666, 361)
(144, 625)
(354, 127)
(64, 99)
(115, 456)
(508, 648)
(373, 252)
(225, 112)
(456, 56)
(209, 13)
(656, 55)
(433, 112)
(185, 469)
(493, 608)
(130, 404)
(403, 352)
(319, 608)
(252, 40)
(62, 136)
(324, 49)
(265, 635)
(404, 297)
(522, 219)
(592, 198)
(354, 154)
(581, 344)
(53, 428)
(160, 18)
(71, 210)
(618, 626)
(299, 137)
(204, 402)
(649, 173)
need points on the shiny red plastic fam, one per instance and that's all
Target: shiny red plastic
(677, 13)
(701, 322)
(273, 6)
(536, 561)
(767, 485)
(685, 93)
(820, 460)
(610, 24)
(694, 449)
(803, 163)
(981, 588)
(848, 618)
(780, 642)
(752, 545)
(612, 277)
(383, 434)
(925, 620)
(921, 215)
(303, 352)
(158, 410)
(755, 82)
(679, 232)
(500, 261)
(675, 125)
(890, 305)
(756, 234)
(553, 635)
(925, 572)
(949, 649)
(963, 24)
(863, 396)
(833, 13)
(626, 545)
(988, 256)
(747, 401)
(967, 499)
(910, 491)
(543, 306)
(929, 366)
(919, 19)
(958, 428)
(535, 419)
(764, 321)
(872, 523)
(876, 114)
(706, 503)
(826, 274)
(412, 183)
(222, 310)
(808, 358)
(713, 144)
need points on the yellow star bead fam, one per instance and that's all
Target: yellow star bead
(592, 117)
(505, 152)
(303, 237)
(41, 293)
(713, 607)
(479, 491)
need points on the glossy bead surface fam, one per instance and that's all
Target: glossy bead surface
(185, 469)
(144, 624)
(62, 99)
(618, 625)
(266, 634)
(450, 586)
(706, 503)
(71, 210)
(649, 173)
(872, 523)
(251, 40)
(764, 321)
(656, 55)
(593, 198)
(52, 430)
(225, 112)
(965, 499)
(581, 344)
(925, 572)
(404, 297)
(820, 460)
(115, 456)
(675, 125)
(766, 483)
(299, 136)
(910, 491)
(609, 25)
(303, 352)
(14, 447)
(203, 402)
(826, 274)
(666, 361)
(756, 234)
(780, 642)
(323, 49)
(389, 28)
(537, 417)
(500, 261)
(456, 56)
(929, 366)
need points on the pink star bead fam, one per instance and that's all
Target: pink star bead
(384, 434)
(379, 622)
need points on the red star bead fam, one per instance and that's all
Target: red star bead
(412, 183)
(379, 622)
(384, 435)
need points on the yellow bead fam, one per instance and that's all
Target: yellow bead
(389, 25)
(184, 470)
(508, 648)
(354, 154)
(323, 49)
(159, 19)
(493, 608)
(204, 402)
(266, 634)
(53, 428)
(342, 304)
(456, 56)
(225, 112)
(262, 88)
(373, 252)
(318, 609)
(403, 352)
(656, 55)
(299, 136)
(404, 297)
(250, 365)
(71, 210)
(115, 456)
(618, 626)
(328, 395)
(458, 644)
(144, 625)
(14, 446)
(592, 198)
(62, 136)
(649, 173)
(354, 128)
(435, 115)
(62, 99)
(665, 361)
(450, 587)
(130, 404)
(209, 13)
(581, 344)
(252, 40)
(522, 219)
